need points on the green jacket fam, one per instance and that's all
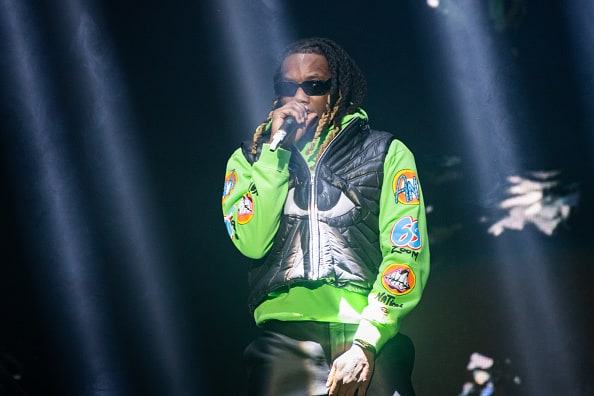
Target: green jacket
(381, 285)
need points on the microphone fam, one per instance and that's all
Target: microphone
(288, 126)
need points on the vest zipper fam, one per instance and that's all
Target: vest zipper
(314, 229)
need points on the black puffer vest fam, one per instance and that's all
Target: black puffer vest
(329, 228)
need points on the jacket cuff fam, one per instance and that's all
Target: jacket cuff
(277, 160)
(371, 334)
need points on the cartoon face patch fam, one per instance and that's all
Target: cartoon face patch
(230, 182)
(398, 279)
(406, 234)
(406, 187)
(245, 209)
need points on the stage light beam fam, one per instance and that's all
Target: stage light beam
(472, 59)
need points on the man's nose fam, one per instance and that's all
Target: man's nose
(301, 96)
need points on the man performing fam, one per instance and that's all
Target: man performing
(332, 214)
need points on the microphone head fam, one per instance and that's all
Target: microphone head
(289, 124)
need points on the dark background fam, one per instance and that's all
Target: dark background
(523, 298)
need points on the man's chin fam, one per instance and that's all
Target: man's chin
(311, 126)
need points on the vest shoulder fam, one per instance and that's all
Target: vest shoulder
(388, 136)
(381, 134)
(246, 148)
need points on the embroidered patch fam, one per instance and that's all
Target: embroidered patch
(387, 299)
(398, 279)
(406, 187)
(229, 223)
(406, 234)
(230, 182)
(245, 209)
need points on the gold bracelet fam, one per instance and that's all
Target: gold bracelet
(364, 344)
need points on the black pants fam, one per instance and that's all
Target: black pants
(294, 359)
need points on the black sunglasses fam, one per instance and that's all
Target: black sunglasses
(310, 87)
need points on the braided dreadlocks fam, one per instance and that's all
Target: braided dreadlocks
(346, 94)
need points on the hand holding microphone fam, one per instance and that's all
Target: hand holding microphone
(292, 120)
(288, 126)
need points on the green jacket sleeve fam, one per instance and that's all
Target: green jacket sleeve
(405, 249)
(253, 198)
